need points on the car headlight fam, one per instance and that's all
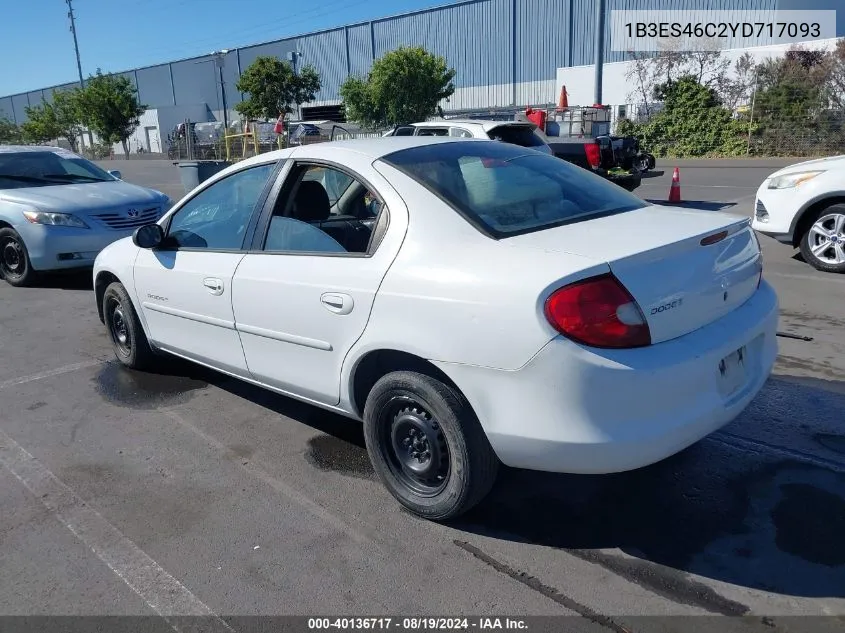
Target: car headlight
(54, 219)
(792, 180)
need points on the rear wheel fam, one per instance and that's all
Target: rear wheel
(14, 259)
(127, 336)
(823, 243)
(427, 446)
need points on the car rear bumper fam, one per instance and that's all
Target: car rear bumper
(60, 247)
(582, 410)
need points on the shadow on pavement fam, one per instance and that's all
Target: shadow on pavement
(652, 174)
(704, 205)
(767, 514)
(81, 280)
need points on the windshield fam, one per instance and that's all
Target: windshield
(504, 190)
(45, 168)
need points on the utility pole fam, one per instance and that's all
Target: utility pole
(293, 58)
(75, 42)
(600, 4)
(220, 62)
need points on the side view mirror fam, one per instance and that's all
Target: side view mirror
(148, 236)
(116, 174)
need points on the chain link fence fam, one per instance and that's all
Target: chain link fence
(745, 132)
(208, 141)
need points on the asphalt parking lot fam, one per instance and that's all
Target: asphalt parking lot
(190, 493)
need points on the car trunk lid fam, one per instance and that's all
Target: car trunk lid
(685, 268)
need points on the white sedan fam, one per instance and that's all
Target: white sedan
(803, 205)
(473, 302)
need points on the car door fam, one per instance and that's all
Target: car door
(303, 296)
(185, 285)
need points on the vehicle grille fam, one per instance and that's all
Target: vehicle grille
(121, 220)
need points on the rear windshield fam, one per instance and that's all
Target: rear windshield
(517, 135)
(505, 190)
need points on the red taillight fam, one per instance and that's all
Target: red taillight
(593, 154)
(599, 312)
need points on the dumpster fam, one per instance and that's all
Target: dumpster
(193, 172)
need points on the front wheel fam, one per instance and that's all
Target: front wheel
(14, 259)
(127, 336)
(427, 446)
(823, 243)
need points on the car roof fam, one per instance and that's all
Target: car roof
(371, 148)
(7, 149)
(485, 124)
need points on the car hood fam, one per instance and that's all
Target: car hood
(83, 199)
(831, 162)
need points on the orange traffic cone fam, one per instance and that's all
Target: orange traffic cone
(563, 101)
(675, 189)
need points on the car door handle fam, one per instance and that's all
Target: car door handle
(215, 286)
(337, 303)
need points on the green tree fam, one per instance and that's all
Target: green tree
(794, 93)
(273, 88)
(403, 86)
(109, 107)
(693, 122)
(59, 119)
(10, 133)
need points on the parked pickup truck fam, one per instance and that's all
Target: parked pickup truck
(613, 157)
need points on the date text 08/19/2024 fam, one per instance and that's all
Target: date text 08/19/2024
(415, 624)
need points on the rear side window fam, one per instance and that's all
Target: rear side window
(516, 135)
(504, 190)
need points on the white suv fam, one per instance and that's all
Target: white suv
(804, 205)
(521, 133)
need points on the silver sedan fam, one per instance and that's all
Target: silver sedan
(58, 210)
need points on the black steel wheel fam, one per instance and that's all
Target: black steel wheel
(14, 259)
(127, 335)
(118, 329)
(427, 446)
(417, 451)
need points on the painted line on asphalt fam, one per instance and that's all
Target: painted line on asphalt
(58, 371)
(279, 486)
(162, 592)
(829, 276)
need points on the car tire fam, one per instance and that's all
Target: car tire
(427, 446)
(832, 220)
(125, 331)
(15, 266)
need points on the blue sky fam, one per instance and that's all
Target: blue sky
(37, 47)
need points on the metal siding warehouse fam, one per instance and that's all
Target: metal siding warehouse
(505, 52)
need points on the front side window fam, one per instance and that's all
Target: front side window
(46, 168)
(217, 217)
(325, 211)
(506, 190)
